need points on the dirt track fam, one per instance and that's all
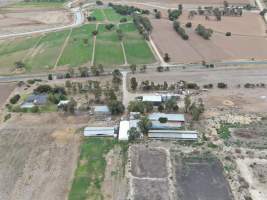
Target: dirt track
(36, 161)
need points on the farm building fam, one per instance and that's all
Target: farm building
(99, 131)
(101, 110)
(35, 100)
(154, 99)
(176, 120)
(123, 131)
(173, 134)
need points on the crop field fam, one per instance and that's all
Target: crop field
(136, 48)
(245, 43)
(98, 14)
(108, 48)
(201, 178)
(79, 48)
(46, 52)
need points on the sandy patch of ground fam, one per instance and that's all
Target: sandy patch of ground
(254, 171)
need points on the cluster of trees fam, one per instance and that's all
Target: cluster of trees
(119, 34)
(169, 105)
(55, 94)
(109, 26)
(253, 85)
(222, 85)
(143, 25)
(161, 68)
(195, 109)
(91, 18)
(140, 106)
(96, 70)
(157, 14)
(127, 10)
(144, 126)
(177, 27)
(206, 33)
(150, 85)
(175, 14)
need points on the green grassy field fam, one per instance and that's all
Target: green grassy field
(38, 4)
(136, 48)
(90, 171)
(98, 14)
(80, 47)
(112, 16)
(108, 48)
(47, 51)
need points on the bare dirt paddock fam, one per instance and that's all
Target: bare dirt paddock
(37, 161)
(17, 20)
(247, 42)
(5, 90)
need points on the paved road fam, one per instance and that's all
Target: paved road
(78, 20)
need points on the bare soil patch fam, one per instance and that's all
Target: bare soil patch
(37, 161)
(148, 162)
(21, 20)
(199, 178)
(254, 172)
(245, 43)
(149, 189)
(5, 91)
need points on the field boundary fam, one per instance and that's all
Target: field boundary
(63, 48)
(94, 45)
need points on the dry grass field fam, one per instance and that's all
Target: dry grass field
(22, 19)
(247, 41)
(36, 161)
(5, 90)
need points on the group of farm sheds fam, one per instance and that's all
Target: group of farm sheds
(171, 129)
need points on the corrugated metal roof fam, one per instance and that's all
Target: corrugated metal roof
(170, 117)
(124, 128)
(38, 99)
(152, 98)
(102, 109)
(98, 131)
(173, 134)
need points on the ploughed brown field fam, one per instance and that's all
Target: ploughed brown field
(248, 40)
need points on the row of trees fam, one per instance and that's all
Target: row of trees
(143, 25)
(127, 10)
(177, 27)
(204, 32)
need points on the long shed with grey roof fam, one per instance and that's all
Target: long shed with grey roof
(99, 131)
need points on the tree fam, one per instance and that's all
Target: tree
(83, 71)
(170, 104)
(187, 103)
(14, 99)
(116, 76)
(70, 107)
(134, 83)
(144, 125)
(160, 108)
(50, 77)
(158, 15)
(166, 57)
(120, 34)
(195, 111)
(19, 65)
(133, 134)
(180, 8)
(133, 68)
(116, 107)
(143, 69)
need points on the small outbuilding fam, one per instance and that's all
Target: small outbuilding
(123, 130)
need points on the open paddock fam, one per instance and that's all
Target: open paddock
(200, 178)
(248, 40)
(5, 91)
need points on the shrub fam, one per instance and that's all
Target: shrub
(208, 86)
(99, 3)
(91, 18)
(163, 120)
(14, 99)
(50, 77)
(228, 33)
(43, 89)
(188, 25)
(124, 19)
(222, 85)
(95, 32)
(35, 109)
(174, 14)
(192, 86)
(109, 26)
(7, 117)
